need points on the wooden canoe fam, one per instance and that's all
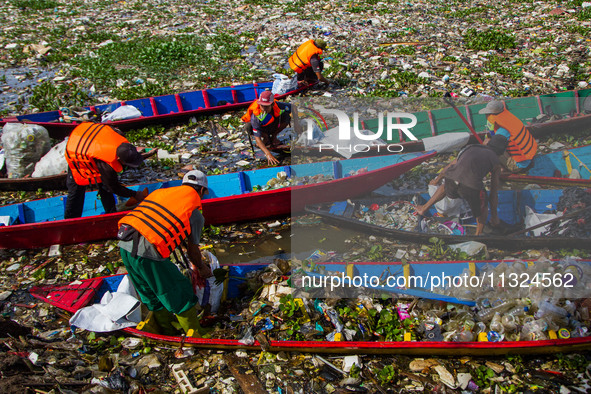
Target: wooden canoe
(511, 210)
(40, 223)
(155, 110)
(30, 184)
(81, 293)
(160, 109)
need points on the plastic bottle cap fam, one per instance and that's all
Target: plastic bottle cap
(563, 333)
(494, 336)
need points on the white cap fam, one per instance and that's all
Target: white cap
(195, 177)
(494, 107)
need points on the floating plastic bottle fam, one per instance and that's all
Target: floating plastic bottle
(551, 312)
(534, 330)
(509, 322)
(487, 314)
(496, 324)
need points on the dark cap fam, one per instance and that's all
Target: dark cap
(128, 155)
(320, 43)
(498, 144)
(266, 98)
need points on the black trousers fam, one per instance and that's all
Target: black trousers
(309, 75)
(75, 200)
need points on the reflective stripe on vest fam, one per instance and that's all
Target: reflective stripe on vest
(88, 142)
(255, 109)
(300, 60)
(163, 218)
(522, 145)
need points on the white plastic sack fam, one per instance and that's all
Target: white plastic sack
(450, 207)
(210, 293)
(532, 218)
(283, 84)
(471, 248)
(53, 163)
(447, 142)
(115, 311)
(24, 145)
(122, 113)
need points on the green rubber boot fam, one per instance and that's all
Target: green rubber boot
(164, 318)
(189, 321)
(149, 324)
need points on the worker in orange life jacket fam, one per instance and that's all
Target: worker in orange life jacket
(95, 154)
(150, 234)
(306, 62)
(265, 118)
(522, 146)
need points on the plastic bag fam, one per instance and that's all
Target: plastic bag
(449, 207)
(211, 293)
(53, 163)
(24, 145)
(122, 113)
(532, 218)
(283, 84)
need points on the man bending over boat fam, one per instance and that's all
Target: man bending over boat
(522, 146)
(307, 64)
(95, 154)
(149, 234)
(265, 118)
(463, 177)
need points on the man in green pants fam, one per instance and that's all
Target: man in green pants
(149, 234)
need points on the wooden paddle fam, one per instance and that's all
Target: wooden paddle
(547, 222)
(447, 98)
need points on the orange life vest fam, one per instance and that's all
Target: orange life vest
(300, 60)
(255, 109)
(88, 142)
(522, 145)
(163, 217)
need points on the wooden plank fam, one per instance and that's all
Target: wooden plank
(250, 383)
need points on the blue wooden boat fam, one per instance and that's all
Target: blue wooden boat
(512, 207)
(159, 109)
(555, 169)
(232, 198)
(81, 293)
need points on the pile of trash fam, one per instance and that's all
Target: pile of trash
(508, 313)
(401, 215)
(573, 199)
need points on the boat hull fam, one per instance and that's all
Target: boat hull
(217, 210)
(82, 293)
(511, 208)
(162, 109)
